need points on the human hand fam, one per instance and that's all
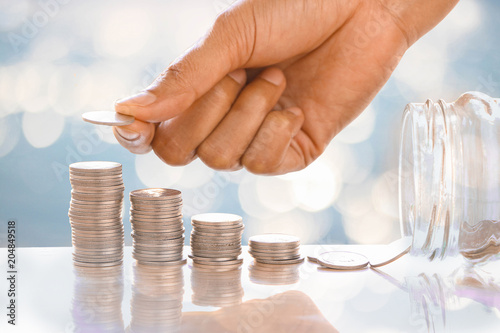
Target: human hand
(274, 81)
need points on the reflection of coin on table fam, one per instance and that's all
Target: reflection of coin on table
(109, 118)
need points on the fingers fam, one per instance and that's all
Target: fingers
(223, 148)
(176, 140)
(136, 137)
(271, 151)
(196, 72)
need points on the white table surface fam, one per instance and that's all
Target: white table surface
(408, 295)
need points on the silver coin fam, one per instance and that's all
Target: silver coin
(95, 166)
(155, 194)
(273, 239)
(216, 218)
(109, 118)
(280, 262)
(342, 260)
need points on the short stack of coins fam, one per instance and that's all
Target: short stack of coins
(95, 213)
(216, 241)
(278, 249)
(157, 226)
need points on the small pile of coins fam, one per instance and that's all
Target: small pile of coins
(216, 288)
(275, 249)
(157, 294)
(157, 226)
(216, 241)
(95, 213)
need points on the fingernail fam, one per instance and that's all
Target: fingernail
(239, 76)
(273, 75)
(127, 134)
(144, 98)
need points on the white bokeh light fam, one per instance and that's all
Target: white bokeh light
(123, 32)
(316, 187)
(42, 129)
(370, 228)
(249, 198)
(276, 194)
(296, 222)
(195, 174)
(70, 89)
(154, 173)
(9, 135)
(8, 100)
(385, 194)
(31, 87)
(360, 129)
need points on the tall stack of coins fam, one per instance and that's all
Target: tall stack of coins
(216, 288)
(95, 213)
(157, 227)
(275, 249)
(216, 240)
(97, 299)
(157, 294)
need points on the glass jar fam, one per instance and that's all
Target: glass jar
(449, 177)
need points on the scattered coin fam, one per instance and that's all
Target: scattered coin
(110, 118)
(157, 226)
(95, 213)
(278, 249)
(342, 260)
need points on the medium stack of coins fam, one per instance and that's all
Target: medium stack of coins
(97, 299)
(270, 274)
(157, 227)
(95, 213)
(275, 249)
(216, 240)
(216, 288)
(157, 295)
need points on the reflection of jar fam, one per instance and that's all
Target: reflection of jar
(449, 177)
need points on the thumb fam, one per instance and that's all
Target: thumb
(219, 52)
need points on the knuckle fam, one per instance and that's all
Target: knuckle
(170, 152)
(258, 165)
(216, 157)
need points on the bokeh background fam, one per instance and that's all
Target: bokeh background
(60, 58)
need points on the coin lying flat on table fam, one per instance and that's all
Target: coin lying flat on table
(110, 118)
(342, 260)
(376, 257)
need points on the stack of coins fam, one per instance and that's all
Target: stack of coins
(95, 213)
(216, 240)
(97, 299)
(157, 227)
(270, 274)
(157, 294)
(216, 288)
(275, 249)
